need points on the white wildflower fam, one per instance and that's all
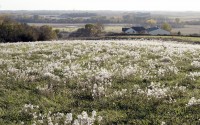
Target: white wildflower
(163, 123)
(76, 122)
(196, 64)
(193, 101)
(99, 119)
(94, 113)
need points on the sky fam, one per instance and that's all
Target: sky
(126, 5)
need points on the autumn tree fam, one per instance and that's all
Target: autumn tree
(90, 30)
(98, 29)
(177, 20)
(151, 22)
(166, 26)
(46, 33)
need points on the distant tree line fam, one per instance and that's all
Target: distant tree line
(33, 19)
(144, 21)
(12, 31)
(67, 18)
(67, 15)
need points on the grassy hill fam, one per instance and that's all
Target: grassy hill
(136, 82)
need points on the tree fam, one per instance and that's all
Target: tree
(151, 22)
(46, 33)
(177, 20)
(90, 30)
(36, 17)
(98, 29)
(94, 29)
(128, 18)
(166, 26)
(12, 31)
(179, 33)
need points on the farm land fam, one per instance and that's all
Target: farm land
(117, 28)
(113, 21)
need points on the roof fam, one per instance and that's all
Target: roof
(152, 29)
(124, 29)
(139, 28)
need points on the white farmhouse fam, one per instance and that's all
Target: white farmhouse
(130, 31)
(157, 31)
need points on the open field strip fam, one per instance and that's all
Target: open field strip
(100, 82)
(188, 39)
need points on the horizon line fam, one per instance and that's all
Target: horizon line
(106, 10)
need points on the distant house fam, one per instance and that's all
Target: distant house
(135, 30)
(157, 31)
(125, 29)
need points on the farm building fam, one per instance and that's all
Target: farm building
(157, 31)
(135, 30)
(142, 30)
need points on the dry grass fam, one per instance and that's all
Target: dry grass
(188, 29)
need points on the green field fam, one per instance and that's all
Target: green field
(80, 82)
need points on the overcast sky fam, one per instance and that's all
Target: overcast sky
(144, 5)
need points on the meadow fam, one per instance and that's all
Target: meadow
(111, 82)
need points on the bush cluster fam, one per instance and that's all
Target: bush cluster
(90, 30)
(11, 31)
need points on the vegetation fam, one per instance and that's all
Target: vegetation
(187, 39)
(11, 31)
(135, 82)
(90, 30)
(179, 21)
(74, 15)
(166, 26)
(151, 22)
(105, 17)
